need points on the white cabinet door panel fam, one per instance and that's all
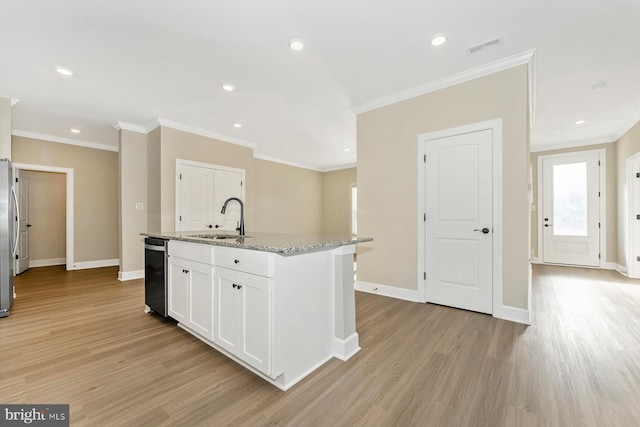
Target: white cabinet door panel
(201, 302)
(227, 310)
(256, 321)
(178, 289)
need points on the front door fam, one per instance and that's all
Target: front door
(459, 221)
(571, 209)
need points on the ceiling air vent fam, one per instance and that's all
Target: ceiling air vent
(484, 45)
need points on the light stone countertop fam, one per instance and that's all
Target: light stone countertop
(283, 244)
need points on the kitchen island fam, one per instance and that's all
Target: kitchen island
(279, 305)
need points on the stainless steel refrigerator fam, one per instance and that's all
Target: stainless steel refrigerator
(8, 235)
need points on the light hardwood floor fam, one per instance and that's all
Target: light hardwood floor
(82, 338)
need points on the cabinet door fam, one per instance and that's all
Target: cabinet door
(201, 299)
(178, 289)
(227, 315)
(255, 322)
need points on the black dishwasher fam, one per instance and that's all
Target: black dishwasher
(155, 275)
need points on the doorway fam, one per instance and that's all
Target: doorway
(68, 173)
(570, 216)
(42, 239)
(460, 217)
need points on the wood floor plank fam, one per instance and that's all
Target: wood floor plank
(81, 337)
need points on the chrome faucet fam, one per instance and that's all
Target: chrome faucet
(224, 208)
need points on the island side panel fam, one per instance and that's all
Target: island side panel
(346, 341)
(303, 315)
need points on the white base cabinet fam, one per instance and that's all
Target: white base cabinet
(243, 306)
(282, 317)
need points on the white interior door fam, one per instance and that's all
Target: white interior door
(633, 216)
(571, 209)
(227, 184)
(459, 215)
(201, 190)
(196, 198)
(22, 253)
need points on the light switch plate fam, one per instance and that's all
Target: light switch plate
(139, 206)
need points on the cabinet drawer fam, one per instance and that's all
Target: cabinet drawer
(245, 260)
(191, 251)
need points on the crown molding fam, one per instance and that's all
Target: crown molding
(205, 133)
(526, 57)
(159, 121)
(285, 162)
(131, 127)
(303, 166)
(61, 140)
(571, 144)
(343, 167)
(224, 138)
(633, 120)
(14, 102)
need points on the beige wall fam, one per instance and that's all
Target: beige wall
(95, 192)
(627, 146)
(336, 201)
(132, 183)
(388, 176)
(5, 128)
(286, 199)
(610, 194)
(47, 215)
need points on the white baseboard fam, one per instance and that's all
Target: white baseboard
(617, 267)
(387, 291)
(513, 314)
(604, 266)
(344, 349)
(95, 264)
(130, 275)
(46, 262)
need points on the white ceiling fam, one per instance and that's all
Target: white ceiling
(137, 61)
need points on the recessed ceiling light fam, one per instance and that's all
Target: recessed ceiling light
(64, 71)
(75, 130)
(347, 149)
(438, 40)
(296, 44)
(581, 122)
(237, 125)
(228, 87)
